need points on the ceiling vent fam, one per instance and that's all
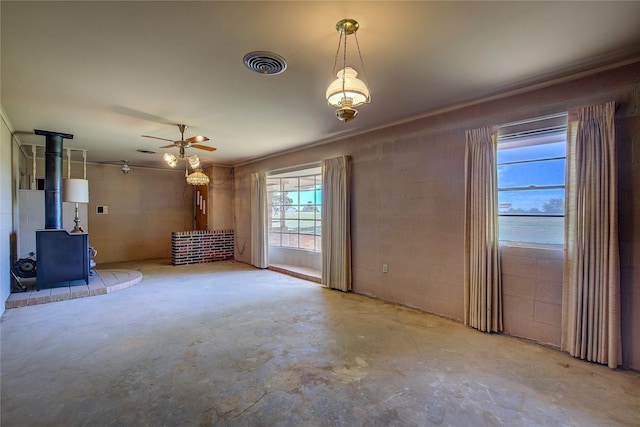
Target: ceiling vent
(265, 62)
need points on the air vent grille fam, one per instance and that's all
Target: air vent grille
(265, 62)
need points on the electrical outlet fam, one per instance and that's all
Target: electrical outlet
(385, 268)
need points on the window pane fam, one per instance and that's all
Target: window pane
(290, 184)
(276, 212)
(273, 185)
(318, 228)
(291, 198)
(530, 158)
(290, 240)
(532, 148)
(291, 212)
(537, 229)
(537, 202)
(307, 227)
(307, 197)
(294, 212)
(274, 198)
(307, 182)
(274, 239)
(275, 225)
(307, 242)
(291, 226)
(546, 172)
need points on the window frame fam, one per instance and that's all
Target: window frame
(519, 135)
(284, 187)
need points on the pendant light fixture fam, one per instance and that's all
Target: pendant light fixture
(197, 177)
(347, 91)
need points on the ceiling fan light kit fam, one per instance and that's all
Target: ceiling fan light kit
(347, 90)
(194, 161)
(170, 159)
(193, 142)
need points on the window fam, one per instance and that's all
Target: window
(531, 166)
(294, 201)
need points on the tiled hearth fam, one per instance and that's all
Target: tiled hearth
(105, 282)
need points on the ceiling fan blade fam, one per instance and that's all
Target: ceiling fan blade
(203, 147)
(168, 146)
(155, 137)
(197, 138)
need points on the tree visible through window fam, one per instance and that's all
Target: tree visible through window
(294, 204)
(531, 168)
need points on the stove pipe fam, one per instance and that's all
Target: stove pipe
(53, 177)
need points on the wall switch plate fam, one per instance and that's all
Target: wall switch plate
(385, 268)
(102, 210)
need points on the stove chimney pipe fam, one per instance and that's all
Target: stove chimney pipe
(53, 177)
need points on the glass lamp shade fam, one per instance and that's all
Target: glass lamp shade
(75, 190)
(170, 159)
(194, 161)
(198, 178)
(354, 90)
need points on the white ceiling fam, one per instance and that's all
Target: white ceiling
(109, 72)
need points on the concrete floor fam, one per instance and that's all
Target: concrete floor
(225, 344)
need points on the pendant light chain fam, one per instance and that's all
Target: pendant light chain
(364, 71)
(344, 65)
(335, 59)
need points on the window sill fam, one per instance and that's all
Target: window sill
(530, 245)
(295, 249)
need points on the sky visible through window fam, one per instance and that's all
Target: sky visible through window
(543, 166)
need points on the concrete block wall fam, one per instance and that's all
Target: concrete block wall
(144, 207)
(194, 247)
(532, 292)
(408, 201)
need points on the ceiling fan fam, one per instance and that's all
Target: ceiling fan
(185, 143)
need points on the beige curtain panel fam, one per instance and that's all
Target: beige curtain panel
(591, 285)
(259, 221)
(336, 223)
(482, 277)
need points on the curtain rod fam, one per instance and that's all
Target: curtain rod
(536, 119)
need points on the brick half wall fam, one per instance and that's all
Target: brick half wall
(194, 247)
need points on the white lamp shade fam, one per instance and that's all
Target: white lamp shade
(353, 88)
(75, 190)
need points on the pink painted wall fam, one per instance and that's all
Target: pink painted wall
(408, 201)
